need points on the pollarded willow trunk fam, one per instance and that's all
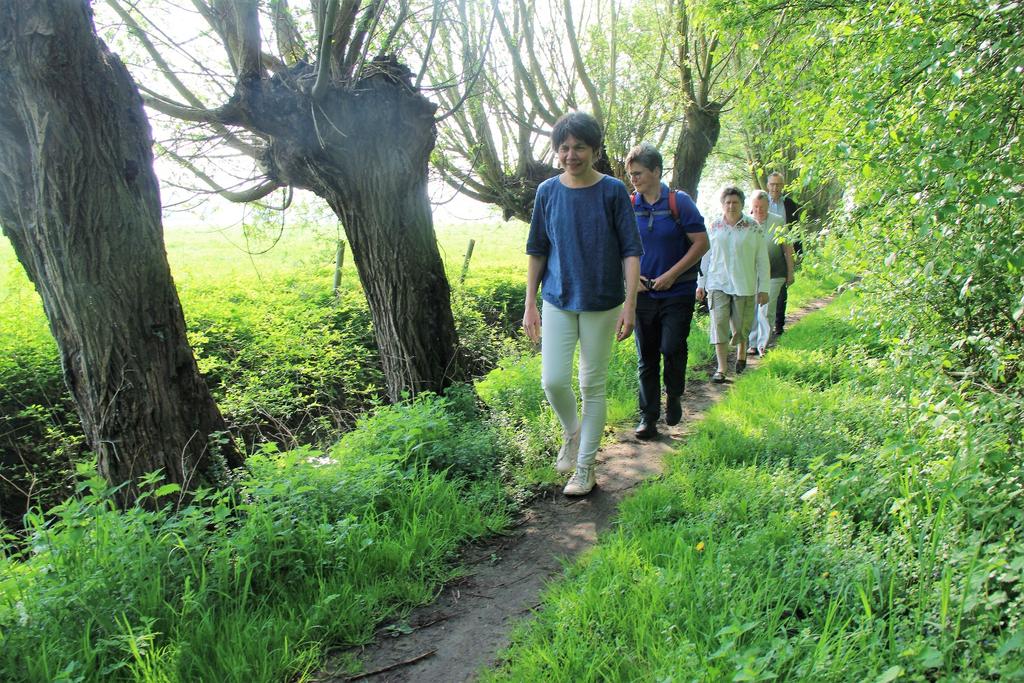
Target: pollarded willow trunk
(699, 136)
(81, 205)
(365, 148)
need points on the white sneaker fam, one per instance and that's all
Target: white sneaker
(567, 454)
(582, 482)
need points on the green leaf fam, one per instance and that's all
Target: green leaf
(890, 674)
(167, 489)
(989, 200)
(931, 659)
(1013, 643)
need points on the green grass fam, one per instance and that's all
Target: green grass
(313, 550)
(315, 547)
(816, 527)
(286, 361)
(225, 259)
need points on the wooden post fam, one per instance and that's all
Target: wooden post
(465, 263)
(339, 259)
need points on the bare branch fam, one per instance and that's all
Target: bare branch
(154, 54)
(355, 56)
(707, 82)
(240, 23)
(581, 67)
(323, 63)
(207, 12)
(403, 15)
(553, 106)
(465, 183)
(252, 194)
(435, 21)
(471, 83)
(686, 72)
(178, 111)
(613, 66)
(525, 78)
(342, 29)
(195, 109)
(289, 41)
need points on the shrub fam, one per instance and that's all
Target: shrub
(310, 549)
(442, 433)
(287, 364)
(40, 436)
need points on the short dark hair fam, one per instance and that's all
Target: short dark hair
(581, 126)
(647, 155)
(732, 190)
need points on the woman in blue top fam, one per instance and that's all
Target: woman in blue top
(674, 239)
(584, 256)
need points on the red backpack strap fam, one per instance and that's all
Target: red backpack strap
(673, 204)
(634, 199)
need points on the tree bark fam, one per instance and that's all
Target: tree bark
(698, 138)
(365, 148)
(80, 202)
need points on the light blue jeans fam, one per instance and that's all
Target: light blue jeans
(764, 319)
(595, 332)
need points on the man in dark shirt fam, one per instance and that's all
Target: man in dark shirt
(789, 211)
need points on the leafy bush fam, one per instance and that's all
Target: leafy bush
(312, 549)
(40, 436)
(442, 433)
(287, 363)
(289, 366)
(500, 300)
(484, 341)
(521, 417)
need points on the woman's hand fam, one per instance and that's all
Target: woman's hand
(531, 323)
(624, 325)
(700, 294)
(762, 298)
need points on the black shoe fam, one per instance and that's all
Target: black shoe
(647, 428)
(779, 331)
(741, 365)
(673, 411)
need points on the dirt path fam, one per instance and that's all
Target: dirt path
(451, 639)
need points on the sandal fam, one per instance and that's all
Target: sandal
(741, 365)
(718, 377)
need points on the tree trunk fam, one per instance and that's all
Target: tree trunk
(701, 128)
(80, 203)
(365, 148)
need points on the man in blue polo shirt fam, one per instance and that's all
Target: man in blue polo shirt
(674, 239)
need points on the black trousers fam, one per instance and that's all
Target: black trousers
(662, 326)
(780, 309)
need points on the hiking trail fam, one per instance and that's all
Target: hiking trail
(451, 639)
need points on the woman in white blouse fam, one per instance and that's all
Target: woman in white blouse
(733, 274)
